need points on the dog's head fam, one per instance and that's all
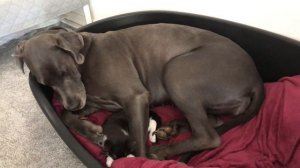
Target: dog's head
(53, 58)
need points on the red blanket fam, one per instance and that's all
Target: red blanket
(271, 139)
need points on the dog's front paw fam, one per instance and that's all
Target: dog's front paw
(98, 137)
(97, 129)
(159, 152)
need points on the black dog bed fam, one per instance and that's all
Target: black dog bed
(275, 57)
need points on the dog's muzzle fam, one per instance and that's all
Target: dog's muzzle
(72, 94)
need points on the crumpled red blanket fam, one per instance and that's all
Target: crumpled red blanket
(269, 140)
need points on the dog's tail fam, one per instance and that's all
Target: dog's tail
(257, 97)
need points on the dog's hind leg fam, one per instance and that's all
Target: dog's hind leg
(190, 97)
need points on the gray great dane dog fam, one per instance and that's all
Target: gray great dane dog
(201, 72)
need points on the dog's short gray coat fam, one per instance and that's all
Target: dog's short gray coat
(131, 69)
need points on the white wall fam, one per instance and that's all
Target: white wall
(279, 16)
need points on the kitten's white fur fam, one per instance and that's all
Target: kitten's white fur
(151, 129)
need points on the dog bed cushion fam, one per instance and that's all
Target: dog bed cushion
(271, 139)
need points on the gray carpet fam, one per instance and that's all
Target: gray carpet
(26, 137)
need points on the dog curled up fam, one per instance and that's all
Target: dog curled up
(131, 69)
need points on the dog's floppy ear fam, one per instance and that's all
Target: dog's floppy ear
(19, 54)
(72, 43)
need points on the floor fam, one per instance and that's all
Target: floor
(27, 138)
